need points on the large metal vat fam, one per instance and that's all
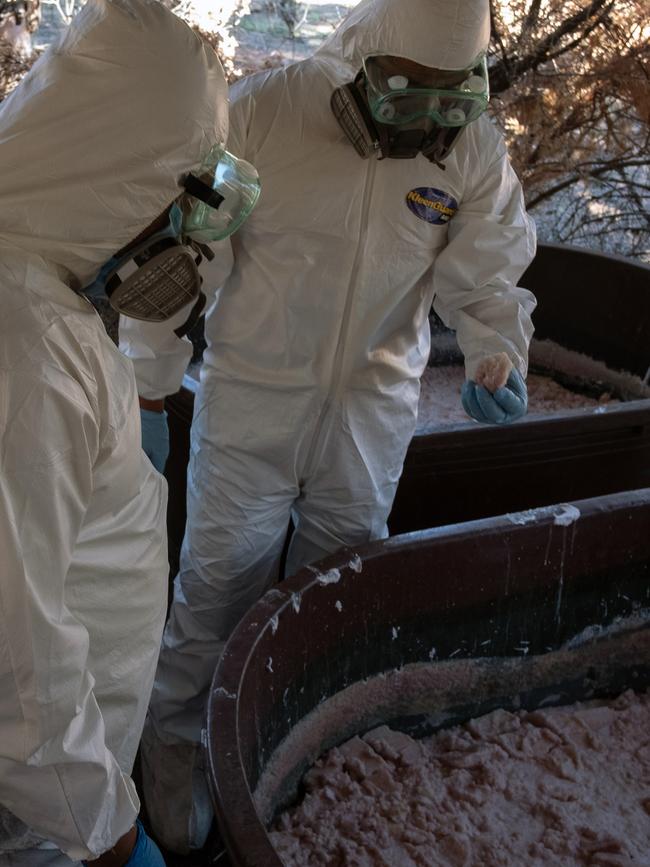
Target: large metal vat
(540, 607)
(589, 303)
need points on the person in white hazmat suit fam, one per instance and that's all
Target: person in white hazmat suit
(385, 189)
(105, 146)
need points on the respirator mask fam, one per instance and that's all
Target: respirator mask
(156, 278)
(390, 112)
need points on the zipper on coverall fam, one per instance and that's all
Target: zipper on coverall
(345, 319)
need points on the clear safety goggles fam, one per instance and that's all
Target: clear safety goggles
(159, 276)
(219, 197)
(456, 99)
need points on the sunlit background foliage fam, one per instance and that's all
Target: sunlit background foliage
(570, 84)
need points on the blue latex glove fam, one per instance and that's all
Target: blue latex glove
(145, 852)
(155, 437)
(505, 405)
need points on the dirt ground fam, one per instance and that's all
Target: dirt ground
(266, 39)
(275, 32)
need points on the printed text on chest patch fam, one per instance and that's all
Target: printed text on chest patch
(434, 206)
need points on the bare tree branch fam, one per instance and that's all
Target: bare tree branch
(531, 19)
(503, 73)
(583, 174)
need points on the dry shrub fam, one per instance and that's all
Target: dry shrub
(571, 91)
(13, 66)
(214, 22)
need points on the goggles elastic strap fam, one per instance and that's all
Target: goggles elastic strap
(202, 191)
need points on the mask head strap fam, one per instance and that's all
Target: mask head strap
(440, 143)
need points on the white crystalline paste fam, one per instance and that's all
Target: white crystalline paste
(440, 397)
(563, 786)
(566, 515)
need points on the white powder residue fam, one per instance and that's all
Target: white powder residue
(224, 692)
(640, 618)
(440, 397)
(567, 515)
(332, 576)
(563, 515)
(529, 516)
(563, 786)
(355, 564)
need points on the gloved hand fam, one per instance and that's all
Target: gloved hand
(133, 849)
(507, 404)
(155, 437)
(145, 852)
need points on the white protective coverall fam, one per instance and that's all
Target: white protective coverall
(93, 144)
(319, 335)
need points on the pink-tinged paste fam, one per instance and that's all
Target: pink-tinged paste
(440, 397)
(493, 371)
(556, 787)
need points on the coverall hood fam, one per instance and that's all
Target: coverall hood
(446, 34)
(94, 141)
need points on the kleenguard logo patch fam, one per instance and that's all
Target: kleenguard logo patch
(434, 206)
